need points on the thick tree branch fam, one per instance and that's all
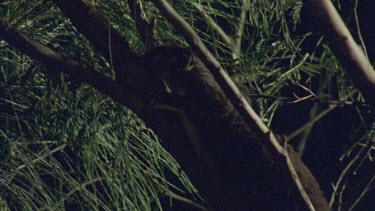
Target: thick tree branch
(218, 72)
(71, 67)
(90, 22)
(279, 153)
(348, 52)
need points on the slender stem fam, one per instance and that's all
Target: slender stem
(59, 148)
(359, 29)
(224, 36)
(313, 121)
(185, 200)
(146, 28)
(349, 170)
(363, 193)
(70, 67)
(241, 25)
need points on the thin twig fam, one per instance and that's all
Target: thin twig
(302, 143)
(362, 42)
(146, 29)
(363, 193)
(365, 145)
(350, 169)
(185, 200)
(59, 148)
(220, 31)
(313, 121)
(300, 148)
(241, 25)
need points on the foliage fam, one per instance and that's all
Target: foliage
(63, 145)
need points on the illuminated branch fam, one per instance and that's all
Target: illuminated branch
(226, 38)
(347, 51)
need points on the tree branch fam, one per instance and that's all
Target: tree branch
(368, 187)
(90, 22)
(347, 51)
(317, 117)
(185, 200)
(70, 67)
(39, 158)
(226, 38)
(269, 140)
(240, 27)
(147, 30)
(349, 172)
